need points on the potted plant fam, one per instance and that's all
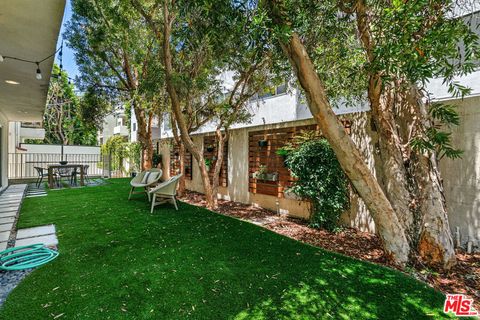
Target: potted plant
(208, 163)
(288, 193)
(157, 160)
(283, 152)
(263, 143)
(210, 148)
(262, 174)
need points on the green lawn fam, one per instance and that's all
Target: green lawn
(118, 261)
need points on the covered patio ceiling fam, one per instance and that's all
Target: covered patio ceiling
(29, 31)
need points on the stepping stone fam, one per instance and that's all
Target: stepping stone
(11, 208)
(9, 205)
(7, 220)
(3, 246)
(4, 236)
(6, 227)
(49, 240)
(36, 195)
(8, 214)
(12, 204)
(35, 232)
(11, 197)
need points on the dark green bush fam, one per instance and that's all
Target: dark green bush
(321, 180)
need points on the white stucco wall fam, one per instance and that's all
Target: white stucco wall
(461, 177)
(55, 148)
(3, 152)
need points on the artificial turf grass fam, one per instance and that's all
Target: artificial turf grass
(118, 261)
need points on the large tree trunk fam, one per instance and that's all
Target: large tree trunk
(410, 179)
(177, 110)
(144, 134)
(386, 221)
(181, 147)
(221, 140)
(181, 156)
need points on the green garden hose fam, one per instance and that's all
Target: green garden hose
(26, 257)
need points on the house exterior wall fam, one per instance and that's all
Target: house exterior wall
(238, 175)
(461, 177)
(3, 152)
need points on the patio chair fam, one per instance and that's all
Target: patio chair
(144, 180)
(76, 172)
(64, 173)
(166, 192)
(42, 173)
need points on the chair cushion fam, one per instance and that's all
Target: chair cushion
(152, 177)
(145, 177)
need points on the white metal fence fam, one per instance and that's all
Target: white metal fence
(22, 165)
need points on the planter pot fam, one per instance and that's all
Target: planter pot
(266, 176)
(288, 194)
(210, 149)
(262, 143)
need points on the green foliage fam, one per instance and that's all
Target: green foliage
(62, 120)
(119, 149)
(321, 180)
(208, 162)
(116, 147)
(116, 58)
(93, 107)
(436, 138)
(134, 155)
(157, 159)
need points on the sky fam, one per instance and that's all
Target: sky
(69, 64)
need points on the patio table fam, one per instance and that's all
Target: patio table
(60, 166)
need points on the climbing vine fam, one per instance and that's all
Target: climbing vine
(320, 179)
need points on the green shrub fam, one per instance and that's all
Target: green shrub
(321, 180)
(157, 159)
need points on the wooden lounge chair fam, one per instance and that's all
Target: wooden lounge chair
(165, 192)
(144, 180)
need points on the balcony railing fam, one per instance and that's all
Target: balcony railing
(120, 130)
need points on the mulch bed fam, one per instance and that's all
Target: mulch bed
(463, 278)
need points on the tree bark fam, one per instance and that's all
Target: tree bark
(181, 147)
(177, 110)
(410, 179)
(386, 221)
(144, 135)
(221, 140)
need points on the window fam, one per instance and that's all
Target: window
(281, 89)
(271, 91)
(134, 126)
(166, 122)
